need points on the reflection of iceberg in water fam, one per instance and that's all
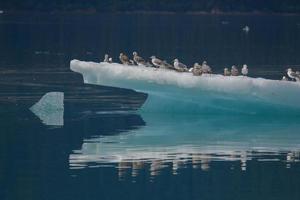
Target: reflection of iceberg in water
(170, 91)
(50, 109)
(178, 140)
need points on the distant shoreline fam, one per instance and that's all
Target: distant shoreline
(94, 12)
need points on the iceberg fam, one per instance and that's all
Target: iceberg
(50, 109)
(173, 92)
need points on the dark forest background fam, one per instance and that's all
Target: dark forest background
(211, 6)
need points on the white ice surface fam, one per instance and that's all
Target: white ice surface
(171, 91)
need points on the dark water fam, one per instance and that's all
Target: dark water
(106, 150)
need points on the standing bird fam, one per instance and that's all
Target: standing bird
(180, 67)
(245, 70)
(106, 58)
(234, 71)
(138, 59)
(124, 59)
(226, 72)
(156, 62)
(206, 69)
(293, 75)
(197, 69)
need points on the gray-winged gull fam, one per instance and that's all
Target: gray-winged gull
(179, 66)
(206, 69)
(226, 72)
(245, 70)
(293, 75)
(156, 62)
(138, 59)
(234, 71)
(197, 69)
(107, 59)
(124, 59)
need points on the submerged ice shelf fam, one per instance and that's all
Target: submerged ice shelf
(172, 92)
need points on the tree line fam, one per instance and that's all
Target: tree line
(266, 6)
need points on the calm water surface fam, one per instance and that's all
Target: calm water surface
(103, 149)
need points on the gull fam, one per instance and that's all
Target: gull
(197, 66)
(206, 69)
(234, 71)
(245, 70)
(156, 62)
(138, 59)
(106, 58)
(293, 75)
(226, 72)
(179, 66)
(197, 69)
(124, 59)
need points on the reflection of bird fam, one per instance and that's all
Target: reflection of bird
(138, 59)
(293, 75)
(245, 70)
(124, 59)
(206, 69)
(226, 72)
(156, 62)
(179, 66)
(234, 71)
